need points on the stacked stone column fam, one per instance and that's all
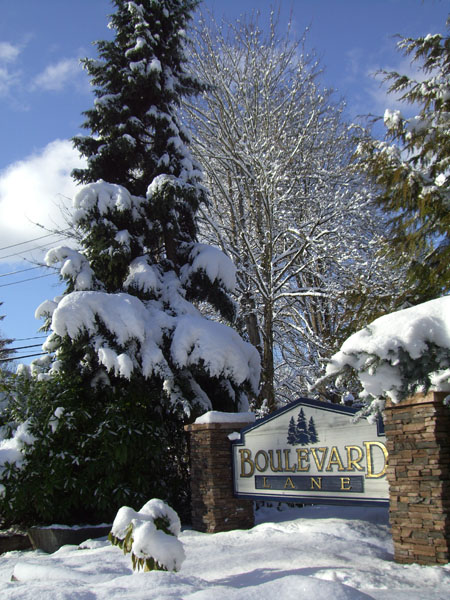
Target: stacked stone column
(418, 442)
(214, 507)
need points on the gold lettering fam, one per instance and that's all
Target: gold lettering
(335, 459)
(289, 482)
(266, 461)
(353, 463)
(280, 464)
(287, 466)
(246, 458)
(303, 455)
(266, 485)
(316, 483)
(345, 484)
(319, 463)
(369, 459)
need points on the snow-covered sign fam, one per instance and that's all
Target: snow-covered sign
(312, 452)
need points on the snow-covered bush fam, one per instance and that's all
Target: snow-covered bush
(150, 535)
(12, 448)
(107, 447)
(399, 354)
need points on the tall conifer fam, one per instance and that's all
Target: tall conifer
(131, 355)
(411, 166)
(4, 342)
(138, 231)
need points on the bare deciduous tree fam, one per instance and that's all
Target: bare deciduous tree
(286, 203)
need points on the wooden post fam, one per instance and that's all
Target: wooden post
(418, 442)
(214, 507)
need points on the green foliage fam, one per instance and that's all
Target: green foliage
(133, 103)
(150, 536)
(403, 375)
(416, 373)
(412, 167)
(4, 351)
(95, 450)
(125, 544)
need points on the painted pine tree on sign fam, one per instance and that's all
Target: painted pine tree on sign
(303, 432)
(302, 437)
(292, 433)
(313, 437)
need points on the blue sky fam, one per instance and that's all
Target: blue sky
(43, 92)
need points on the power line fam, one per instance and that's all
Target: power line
(30, 249)
(29, 279)
(23, 270)
(34, 239)
(35, 337)
(20, 357)
(22, 347)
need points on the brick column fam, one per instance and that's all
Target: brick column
(418, 442)
(214, 507)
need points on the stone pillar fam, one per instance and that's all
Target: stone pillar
(214, 507)
(418, 442)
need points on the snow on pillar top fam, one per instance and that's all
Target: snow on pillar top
(222, 420)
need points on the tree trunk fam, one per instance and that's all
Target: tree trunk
(267, 393)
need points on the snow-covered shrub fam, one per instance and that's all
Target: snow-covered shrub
(13, 448)
(87, 451)
(399, 354)
(150, 535)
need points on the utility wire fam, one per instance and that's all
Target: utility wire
(20, 357)
(23, 270)
(22, 347)
(35, 337)
(34, 239)
(24, 280)
(30, 249)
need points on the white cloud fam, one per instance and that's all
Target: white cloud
(57, 76)
(369, 95)
(8, 52)
(8, 77)
(35, 190)
(7, 80)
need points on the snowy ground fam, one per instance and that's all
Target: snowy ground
(314, 553)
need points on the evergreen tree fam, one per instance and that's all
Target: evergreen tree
(4, 342)
(128, 335)
(139, 79)
(312, 432)
(292, 433)
(412, 167)
(139, 235)
(397, 355)
(302, 436)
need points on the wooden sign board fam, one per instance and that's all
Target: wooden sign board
(312, 452)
